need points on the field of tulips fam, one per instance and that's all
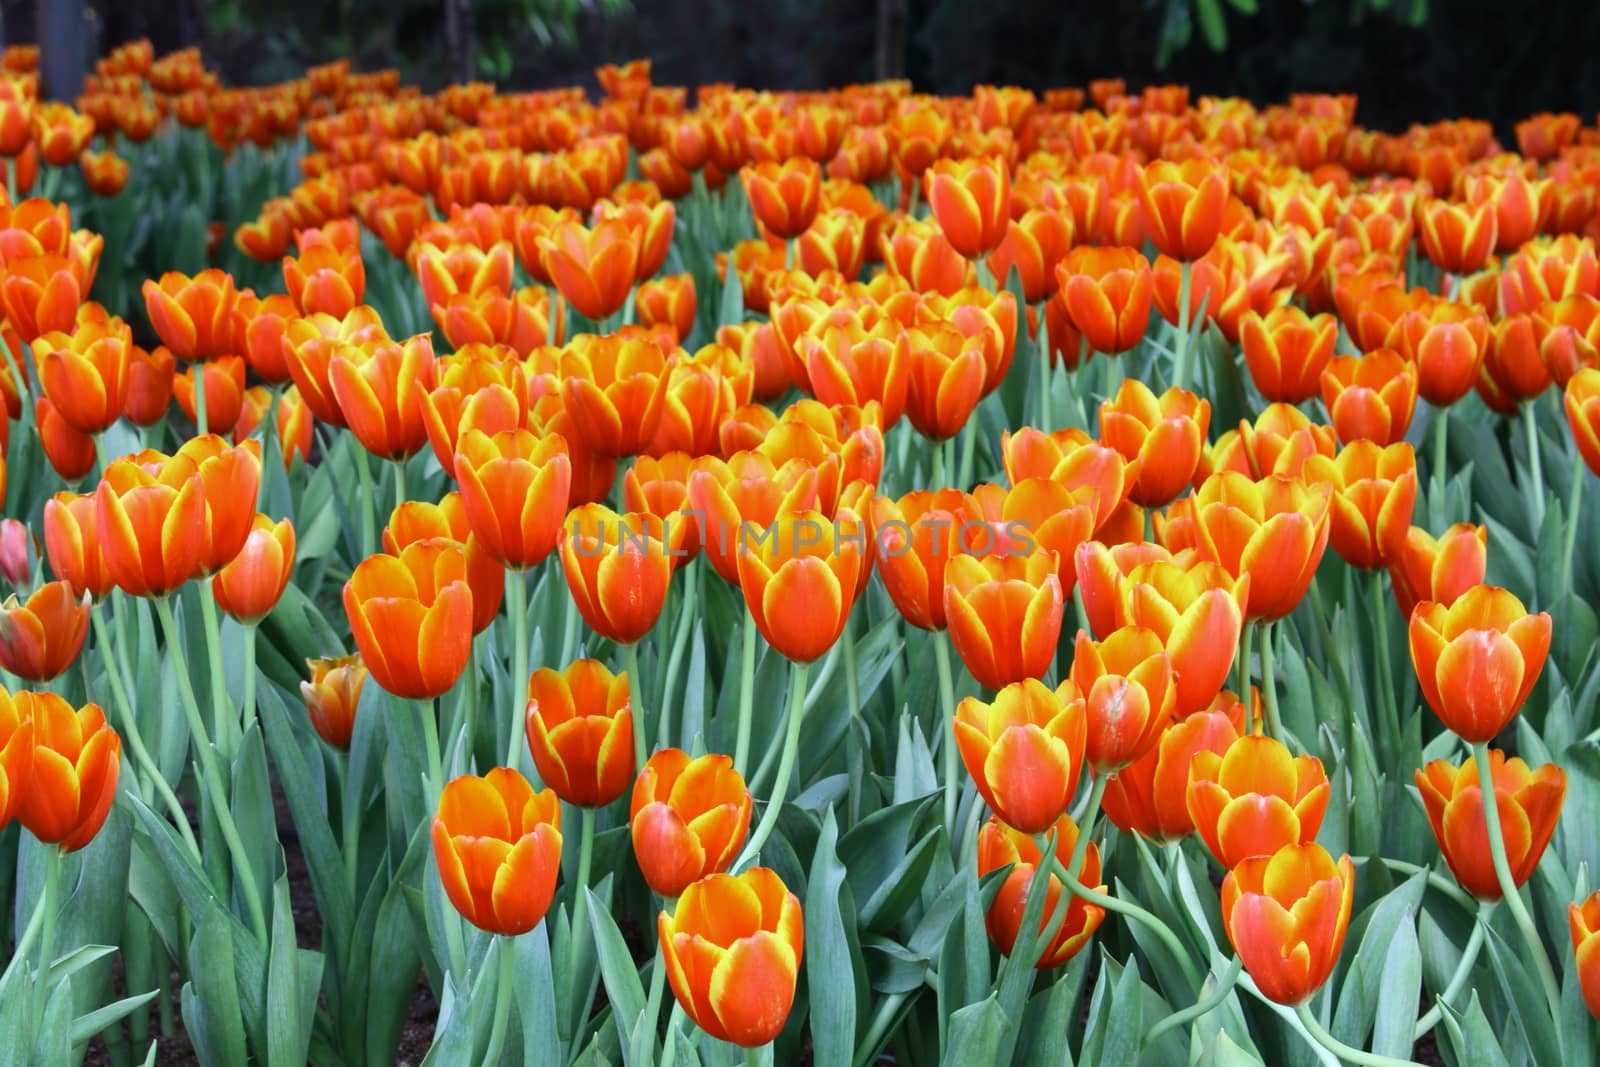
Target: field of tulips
(543, 580)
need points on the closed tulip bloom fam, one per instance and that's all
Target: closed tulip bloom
(702, 391)
(1126, 682)
(747, 491)
(1374, 492)
(325, 279)
(150, 378)
(514, 487)
(1107, 293)
(1004, 614)
(467, 268)
(41, 638)
(688, 818)
(1370, 397)
(193, 316)
(1447, 343)
(1584, 922)
(1528, 800)
(1033, 246)
(1438, 570)
(1512, 369)
(1255, 798)
(16, 756)
(1025, 750)
(497, 844)
(1102, 571)
(223, 379)
(105, 173)
(1458, 238)
(594, 268)
(1569, 335)
(1286, 915)
(1165, 435)
(71, 453)
(1183, 205)
(618, 568)
(411, 616)
(945, 380)
(918, 252)
(231, 477)
(1197, 611)
(800, 577)
(1076, 462)
(580, 731)
(151, 525)
(732, 950)
(85, 373)
(914, 539)
(416, 520)
(72, 543)
(1582, 401)
(1286, 351)
(1037, 513)
(1478, 659)
(846, 364)
(670, 300)
(76, 763)
(615, 390)
(249, 586)
(379, 391)
(971, 199)
(1274, 530)
(1000, 845)
(784, 197)
(1150, 795)
(332, 696)
(309, 346)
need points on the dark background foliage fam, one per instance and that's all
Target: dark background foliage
(1447, 59)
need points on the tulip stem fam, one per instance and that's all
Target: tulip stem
(350, 840)
(753, 1056)
(369, 497)
(852, 690)
(24, 946)
(210, 773)
(430, 746)
(1180, 344)
(969, 444)
(1130, 910)
(937, 481)
(1508, 885)
(569, 628)
(1243, 684)
(630, 663)
(469, 732)
(1269, 684)
(581, 935)
(1319, 1033)
(224, 721)
(747, 684)
(504, 980)
(400, 496)
(1469, 956)
(1441, 455)
(1091, 811)
(249, 706)
(643, 1038)
(680, 644)
(791, 751)
(517, 609)
(1387, 702)
(1574, 508)
(128, 726)
(201, 426)
(950, 764)
(47, 932)
(1220, 992)
(1530, 425)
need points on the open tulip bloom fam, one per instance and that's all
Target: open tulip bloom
(708, 575)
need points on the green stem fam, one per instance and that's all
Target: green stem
(249, 707)
(201, 427)
(350, 840)
(1441, 456)
(582, 938)
(128, 727)
(680, 644)
(503, 983)
(517, 608)
(788, 255)
(791, 751)
(24, 945)
(747, 684)
(1458, 980)
(1387, 703)
(937, 482)
(211, 773)
(852, 690)
(1242, 685)
(224, 720)
(878, 1028)
(1574, 507)
(630, 663)
(47, 934)
(643, 1039)
(1436, 881)
(1221, 992)
(569, 631)
(1508, 886)
(469, 732)
(400, 496)
(369, 499)
(1530, 426)
(753, 1057)
(1318, 1033)
(1080, 848)
(1180, 355)
(950, 762)
(430, 743)
(1130, 910)
(969, 444)
(1269, 684)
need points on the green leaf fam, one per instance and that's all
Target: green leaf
(731, 313)
(1398, 991)
(1115, 1014)
(833, 965)
(391, 973)
(535, 998)
(1212, 25)
(617, 969)
(1522, 990)
(975, 1034)
(211, 1010)
(1379, 928)
(1475, 1042)
(87, 1026)
(288, 1031)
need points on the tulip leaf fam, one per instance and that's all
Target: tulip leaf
(1522, 990)
(617, 970)
(731, 311)
(52, 1045)
(211, 1008)
(835, 971)
(876, 846)
(976, 1033)
(535, 999)
(1378, 928)
(1471, 1036)
(1115, 1014)
(292, 981)
(1579, 845)
(85, 1027)
(391, 973)
(1398, 989)
(1052, 1016)
(1213, 27)
(900, 889)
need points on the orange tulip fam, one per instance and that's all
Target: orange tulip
(231, 478)
(702, 391)
(16, 756)
(70, 452)
(1033, 246)
(1286, 351)
(497, 844)
(784, 197)
(917, 252)
(515, 488)
(150, 378)
(1183, 205)
(1459, 238)
(1107, 293)
(800, 577)
(1371, 397)
(1442, 570)
(618, 568)
(688, 818)
(223, 379)
(85, 373)
(732, 950)
(1374, 491)
(193, 316)
(1512, 369)
(1150, 795)
(411, 615)
(1076, 463)
(1447, 343)
(1529, 802)
(446, 521)
(595, 269)
(945, 380)
(332, 696)
(1478, 659)
(1196, 609)
(670, 300)
(76, 763)
(40, 639)
(1275, 530)
(1165, 435)
(379, 391)
(914, 539)
(1000, 845)
(294, 422)
(325, 279)
(849, 364)
(72, 543)
(1584, 921)
(1004, 614)
(971, 199)
(249, 586)
(1255, 798)
(105, 173)
(579, 726)
(1568, 331)
(1286, 915)
(41, 294)
(615, 390)
(464, 268)
(152, 525)
(1582, 401)
(747, 492)
(1126, 682)
(1025, 750)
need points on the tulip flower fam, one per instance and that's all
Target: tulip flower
(18, 549)
(249, 586)
(193, 316)
(105, 173)
(1447, 343)
(702, 392)
(72, 543)
(1371, 397)
(580, 732)
(1000, 845)
(1004, 614)
(618, 568)
(150, 378)
(688, 818)
(41, 294)
(1033, 246)
(918, 252)
(231, 478)
(1126, 684)
(223, 379)
(1150, 795)
(85, 373)
(466, 268)
(1529, 802)
(595, 269)
(379, 391)
(1286, 351)
(747, 492)
(1582, 401)
(1255, 798)
(1478, 659)
(732, 950)
(945, 380)
(1438, 570)
(784, 197)
(40, 639)
(514, 487)
(16, 756)
(1183, 205)
(497, 844)
(970, 199)
(332, 696)
(1075, 462)
(914, 539)
(1024, 751)
(325, 279)
(411, 615)
(76, 763)
(1197, 611)
(1374, 492)
(1286, 915)
(1459, 238)
(1038, 513)
(1584, 921)
(800, 576)
(1165, 435)
(1274, 530)
(847, 364)
(151, 526)
(70, 452)
(670, 300)
(415, 520)
(1512, 369)
(615, 388)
